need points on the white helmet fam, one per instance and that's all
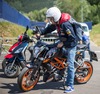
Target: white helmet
(54, 12)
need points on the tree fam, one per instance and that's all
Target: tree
(94, 2)
(37, 15)
(30, 5)
(74, 8)
(93, 15)
(95, 10)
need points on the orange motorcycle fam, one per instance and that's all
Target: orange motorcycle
(51, 60)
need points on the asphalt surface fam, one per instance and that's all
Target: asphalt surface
(10, 86)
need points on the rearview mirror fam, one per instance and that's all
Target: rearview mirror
(27, 27)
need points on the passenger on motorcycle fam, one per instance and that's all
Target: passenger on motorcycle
(60, 21)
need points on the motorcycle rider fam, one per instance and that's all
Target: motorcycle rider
(60, 21)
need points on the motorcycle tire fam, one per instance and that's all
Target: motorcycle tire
(25, 80)
(11, 73)
(84, 73)
(4, 63)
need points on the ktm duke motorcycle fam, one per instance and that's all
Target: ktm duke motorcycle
(16, 58)
(51, 60)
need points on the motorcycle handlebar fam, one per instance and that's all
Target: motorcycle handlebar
(36, 30)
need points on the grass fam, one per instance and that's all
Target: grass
(11, 30)
(95, 34)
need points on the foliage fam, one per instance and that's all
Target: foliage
(81, 10)
(95, 10)
(95, 34)
(30, 5)
(37, 15)
(93, 15)
(74, 8)
(94, 2)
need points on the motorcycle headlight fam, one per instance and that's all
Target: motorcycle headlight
(19, 50)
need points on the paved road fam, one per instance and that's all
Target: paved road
(9, 86)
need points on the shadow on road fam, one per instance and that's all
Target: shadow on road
(1, 70)
(2, 74)
(14, 89)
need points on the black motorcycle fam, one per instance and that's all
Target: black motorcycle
(51, 60)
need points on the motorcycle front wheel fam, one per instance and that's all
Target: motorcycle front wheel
(13, 71)
(84, 73)
(27, 80)
(4, 63)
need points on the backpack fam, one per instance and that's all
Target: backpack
(78, 31)
(77, 28)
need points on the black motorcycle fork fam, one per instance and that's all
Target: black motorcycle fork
(36, 68)
(13, 63)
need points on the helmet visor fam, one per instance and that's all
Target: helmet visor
(50, 20)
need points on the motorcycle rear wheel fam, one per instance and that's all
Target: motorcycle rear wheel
(11, 72)
(84, 73)
(25, 80)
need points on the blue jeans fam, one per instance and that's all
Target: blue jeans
(70, 60)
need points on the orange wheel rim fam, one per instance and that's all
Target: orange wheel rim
(26, 81)
(82, 79)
